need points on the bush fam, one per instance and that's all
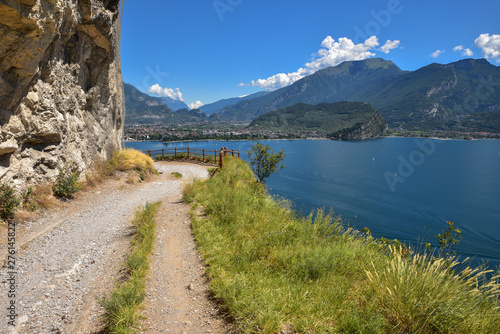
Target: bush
(8, 201)
(67, 182)
(130, 159)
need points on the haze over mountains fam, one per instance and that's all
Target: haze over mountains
(464, 95)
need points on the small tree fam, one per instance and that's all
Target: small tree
(449, 237)
(264, 161)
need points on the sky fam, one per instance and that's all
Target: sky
(201, 51)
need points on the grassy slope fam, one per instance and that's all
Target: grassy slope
(274, 271)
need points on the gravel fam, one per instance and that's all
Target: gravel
(60, 273)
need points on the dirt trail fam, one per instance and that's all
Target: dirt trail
(178, 292)
(75, 253)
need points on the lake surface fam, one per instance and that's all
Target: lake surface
(403, 188)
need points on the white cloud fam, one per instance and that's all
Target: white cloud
(196, 105)
(465, 52)
(437, 53)
(490, 46)
(174, 94)
(332, 53)
(389, 45)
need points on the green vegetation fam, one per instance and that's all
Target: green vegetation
(264, 161)
(67, 182)
(177, 175)
(9, 201)
(329, 118)
(275, 271)
(123, 304)
(449, 237)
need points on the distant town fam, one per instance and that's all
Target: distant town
(196, 131)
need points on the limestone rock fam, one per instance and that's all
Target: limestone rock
(61, 94)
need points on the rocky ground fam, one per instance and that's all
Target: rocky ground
(71, 255)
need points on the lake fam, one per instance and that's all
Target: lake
(403, 188)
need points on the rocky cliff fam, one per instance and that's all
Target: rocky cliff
(373, 127)
(61, 94)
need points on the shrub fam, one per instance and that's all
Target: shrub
(130, 159)
(8, 201)
(67, 182)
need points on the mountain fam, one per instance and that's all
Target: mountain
(175, 104)
(216, 107)
(332, 84)
(341, 120)
(142, 108)
(437, 96)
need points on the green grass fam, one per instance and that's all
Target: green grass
(123, 304)
(275, 271)
(176, 175)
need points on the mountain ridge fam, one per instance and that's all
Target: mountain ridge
(434, 97)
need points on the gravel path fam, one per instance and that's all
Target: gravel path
(62, 270)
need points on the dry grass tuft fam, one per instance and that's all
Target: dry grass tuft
(130, 159)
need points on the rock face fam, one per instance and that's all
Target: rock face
(61, 94)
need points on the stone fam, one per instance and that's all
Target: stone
(8, 146)
(61, 87)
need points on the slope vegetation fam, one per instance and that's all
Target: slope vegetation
(276, 272)
(332, 119)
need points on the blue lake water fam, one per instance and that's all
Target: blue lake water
(403, 188)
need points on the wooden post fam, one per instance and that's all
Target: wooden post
(221, 159)
(232, 152)
(188, 152)
(149, 153)
(239, 154)
(175, 153)
(163, 153)
(203, 154)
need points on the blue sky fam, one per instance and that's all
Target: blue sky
(206, 50)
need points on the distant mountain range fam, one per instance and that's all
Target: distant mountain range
(433, 97)
(175, 104)
(142, 108)
(216, 107)
(461, 96)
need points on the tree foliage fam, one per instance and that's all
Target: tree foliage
(264, 161)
